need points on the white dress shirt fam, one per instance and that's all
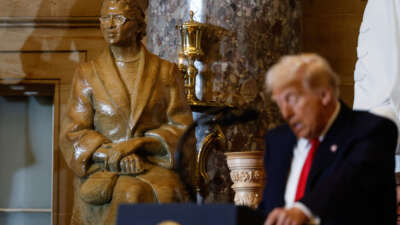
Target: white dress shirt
(300, 153)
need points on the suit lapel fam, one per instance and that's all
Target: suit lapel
(286, 148)
(147, 77)
(108, 74)
(330, 147)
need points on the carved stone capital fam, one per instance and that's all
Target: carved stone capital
(248, 176)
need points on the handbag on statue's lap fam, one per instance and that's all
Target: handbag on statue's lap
(98, 188)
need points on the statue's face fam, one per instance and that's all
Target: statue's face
(119, 26)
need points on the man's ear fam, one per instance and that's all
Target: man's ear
(326, 95)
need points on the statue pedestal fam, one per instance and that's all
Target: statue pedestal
(248, 176)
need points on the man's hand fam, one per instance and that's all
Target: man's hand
(131, 164)
(282, 216)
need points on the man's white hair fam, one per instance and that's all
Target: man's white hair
(310, 69)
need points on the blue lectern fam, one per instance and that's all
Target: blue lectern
(188, 214)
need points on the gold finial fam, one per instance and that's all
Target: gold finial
(191, 15)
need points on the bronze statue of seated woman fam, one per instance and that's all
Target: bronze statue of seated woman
(125, 115)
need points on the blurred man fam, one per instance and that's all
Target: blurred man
(328, 165)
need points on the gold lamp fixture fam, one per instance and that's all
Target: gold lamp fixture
(191, 32)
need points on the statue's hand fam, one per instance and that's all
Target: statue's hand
(131, 164)
(109, 156)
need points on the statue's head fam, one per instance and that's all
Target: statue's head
(122, 21)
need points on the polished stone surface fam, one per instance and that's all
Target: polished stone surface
(242, 40)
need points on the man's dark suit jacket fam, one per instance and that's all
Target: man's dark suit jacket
(354, 185)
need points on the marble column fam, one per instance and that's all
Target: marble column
(242, 40)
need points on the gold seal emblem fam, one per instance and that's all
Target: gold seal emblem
(168, 222)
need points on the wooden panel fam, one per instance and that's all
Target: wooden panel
(328, 7)
(330, 28)
(45, 39)
(50, 22)
(23, 89)
(39, 65)
(347, 94)
(336, 39)
(49, 8)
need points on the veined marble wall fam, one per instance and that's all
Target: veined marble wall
(242, 40)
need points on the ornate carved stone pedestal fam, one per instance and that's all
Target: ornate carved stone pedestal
(248, 176)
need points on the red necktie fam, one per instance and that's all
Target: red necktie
(301, 186)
